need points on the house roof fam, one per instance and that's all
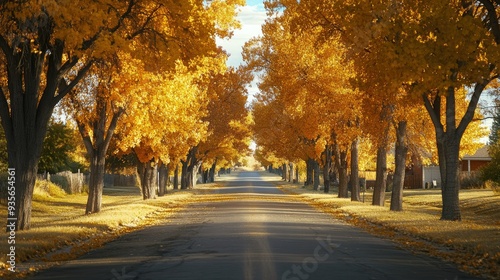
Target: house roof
(481, 154)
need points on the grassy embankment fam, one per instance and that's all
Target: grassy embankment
(61, 231)
(473, 243)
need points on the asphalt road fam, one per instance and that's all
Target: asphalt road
(259, 235)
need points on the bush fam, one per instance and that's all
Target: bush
(491, 172)
(44, 189)
(472, 182)
(494, 186)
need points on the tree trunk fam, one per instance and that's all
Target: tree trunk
(450, 182)
(184, 175)
(341, 165)
(309, 172)
(327, 168)
(163, 179)
(96, 182)
(194, 173)
(316, 169)
(176, 177)
(381, 177)
(96, 143)
(448, 142)
(147, 176)
(25, 177)
(284, 167)
(189, 169)
(211, 174)
(355, 191)
(290, 172)
(296, 174)
(204, 176)
(36, 82)
(399, 172)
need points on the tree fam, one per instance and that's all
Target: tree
(495, 126)
(433, 48)
(310, 91)
(492, 170)
(164, 119)
(4, 158)
(96, 113)
(228, 121)
(58, 144)
(48, 47)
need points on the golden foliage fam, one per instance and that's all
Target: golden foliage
(227, 118)
(306, 96)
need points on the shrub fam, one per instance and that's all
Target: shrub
(472, 182)
(494, 186)
(491, 172)
(44, 189)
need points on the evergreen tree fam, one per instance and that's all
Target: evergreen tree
(492, 170)
(56, 150)
(495, 127)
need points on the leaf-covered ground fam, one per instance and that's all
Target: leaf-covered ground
(473, 244)
(61, 230)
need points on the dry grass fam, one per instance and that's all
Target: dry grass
(61, 230)
(473, 243)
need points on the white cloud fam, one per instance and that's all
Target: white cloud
(251, 17)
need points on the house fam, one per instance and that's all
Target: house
(429, 176)
(472, 163)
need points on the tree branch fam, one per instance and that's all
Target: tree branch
(492, 21)
(6, 49)
(112, 126)
(142, 29)
(471, 108)
(434, 111)
(86, 138)
(63, 91)
(88, 43)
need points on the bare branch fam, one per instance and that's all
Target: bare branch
(66, 88)
(88, 43)
(433, 110)
(492, 22)
(471, 108)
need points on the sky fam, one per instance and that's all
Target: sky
(251, 17)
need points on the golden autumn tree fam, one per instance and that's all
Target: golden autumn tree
(96, 109)
(166, 120)
(433, 48)
(47, 47)
(278, 130)
(43, 49)
(312, 84)
(228, 122)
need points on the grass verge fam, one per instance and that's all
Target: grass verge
(61, 231)
(473, 244)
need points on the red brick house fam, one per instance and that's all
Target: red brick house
(472, 163)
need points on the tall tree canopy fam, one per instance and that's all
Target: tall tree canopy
(47, 47)
(430, 48)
